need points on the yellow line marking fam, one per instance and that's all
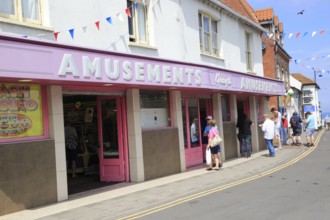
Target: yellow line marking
(220, 188)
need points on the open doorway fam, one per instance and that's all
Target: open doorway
(81, 112)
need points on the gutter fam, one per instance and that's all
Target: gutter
(233, 12)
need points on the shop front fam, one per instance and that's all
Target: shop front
(124, 108)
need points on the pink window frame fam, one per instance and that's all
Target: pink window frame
(44, 118)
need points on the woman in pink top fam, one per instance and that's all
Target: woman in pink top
(215, 151)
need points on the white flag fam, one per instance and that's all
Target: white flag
(84, 28)
(313, 34)
(120, 17)
(290, 35)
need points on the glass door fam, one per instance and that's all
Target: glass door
(192, 131)
(111, 139)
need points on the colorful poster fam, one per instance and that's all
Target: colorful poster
(20, 111)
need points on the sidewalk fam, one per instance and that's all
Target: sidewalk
(126, 198)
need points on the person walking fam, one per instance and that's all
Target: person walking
(310, 128)
(206, 133)
(284, 129)
(246, 137)
(278, 124)
(71, 144)
(239, 125)
(268, 127)
(295, 123)
(215, 151)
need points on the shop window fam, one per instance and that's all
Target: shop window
(22, 10)
(155, 111)
(138, 21)
(208, 35)
(21, 111)
(225, 108)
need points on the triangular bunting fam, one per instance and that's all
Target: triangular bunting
(109, 20)
(297, 34)
(305, 34)
(120, 17)
(136, 5)
(313, 34)
(128, 12)
(72, 33)
(322, 32)
(290, 35)
(97, 25)
(84, 28)
(56, 35)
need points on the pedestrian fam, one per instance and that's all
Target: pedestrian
(327, 122)
(206, 133)
(246, 137)
(284, 129)
(194, 132)
(239, 125)
(310, 128)
(71, 144)
(268, 127)
(215, 151)
(278, 122)
(295, 123)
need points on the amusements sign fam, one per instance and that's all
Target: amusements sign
(20, 111)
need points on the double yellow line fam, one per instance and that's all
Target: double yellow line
(220, 188)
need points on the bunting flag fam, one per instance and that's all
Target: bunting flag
(97, 25)
(128, 12)
(109, 20)
(297, 34)
(72, 33)
(136, 5)
(322, 32)
(290, 35)
(56, 35)
(84, 28)
(305, 34)
(120, 17)
(314, 33)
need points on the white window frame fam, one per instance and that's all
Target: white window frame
(136, 36)
(212, 40)
(248, 52)
(18, 13)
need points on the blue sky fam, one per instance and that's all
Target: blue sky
(303, 49)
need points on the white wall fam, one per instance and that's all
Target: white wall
(173, 28)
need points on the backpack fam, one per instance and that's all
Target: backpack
(294, 122)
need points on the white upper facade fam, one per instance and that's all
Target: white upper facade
(201, 32)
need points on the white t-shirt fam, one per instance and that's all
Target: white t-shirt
(268, 128)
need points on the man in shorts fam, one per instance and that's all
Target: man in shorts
(295, 123)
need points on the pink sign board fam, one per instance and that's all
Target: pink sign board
(28, 59)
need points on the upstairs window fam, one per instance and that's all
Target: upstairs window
(21, 10)
(248, 52)
(208, 35)
(138, 22)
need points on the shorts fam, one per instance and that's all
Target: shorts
(296, 131)
(277, 131)
(215, 150)
(72, 155)
(310, 131)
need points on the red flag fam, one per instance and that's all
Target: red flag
(128, 12)
(297, 35)
(56, 35)
(97, 25)
(322, 32)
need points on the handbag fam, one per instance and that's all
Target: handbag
(216, 140)
(208, 156)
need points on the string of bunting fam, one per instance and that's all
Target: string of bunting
(294, 35)
(108, 20)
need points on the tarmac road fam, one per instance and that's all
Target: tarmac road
(300, 191)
